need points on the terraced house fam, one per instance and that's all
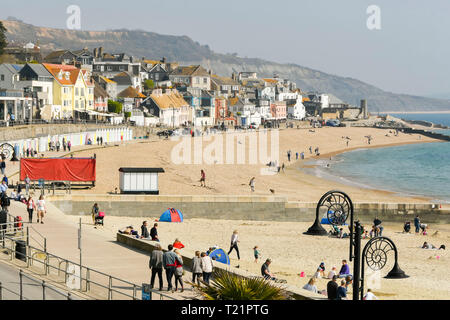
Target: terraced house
(73, 90)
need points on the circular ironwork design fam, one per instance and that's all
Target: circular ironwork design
(376, 254)
(6, 151)
(338, 207)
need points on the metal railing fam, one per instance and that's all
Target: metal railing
(45, 287)
(51, 122)
(86, 277)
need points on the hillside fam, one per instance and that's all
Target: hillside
(183, 49)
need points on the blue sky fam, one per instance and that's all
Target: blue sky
(408, 55)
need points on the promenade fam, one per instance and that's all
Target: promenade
(100, 251)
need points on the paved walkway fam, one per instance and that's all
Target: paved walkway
(100, 251)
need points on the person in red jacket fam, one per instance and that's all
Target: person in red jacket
(177, 244)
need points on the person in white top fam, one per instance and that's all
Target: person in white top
(207, 266)
(234, 242)
(41, 209)
(369, 295)
(332, 273)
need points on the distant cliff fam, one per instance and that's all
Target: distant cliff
(183, 49)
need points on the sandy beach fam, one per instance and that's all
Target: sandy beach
(293, 252)
(233, 179)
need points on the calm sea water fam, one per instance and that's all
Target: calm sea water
(418, 169)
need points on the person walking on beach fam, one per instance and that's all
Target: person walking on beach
(178, 271)
(234, 243)
(156, 264)
(207, 267)
(197, 267)
(417, 223)
(154, 233)
(64, 144)
(58, 145)
(202, 178)
(296, 156)
(332, 287)
(169, 258)
(302, 155)
(41, 209)
(69, 145)
(289, 155)
(310, 149)
(30, 208)
(252, 184)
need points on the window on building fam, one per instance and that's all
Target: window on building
(76, 92)
(2, 77)
(76, 103)
(205, 80)
(82, 92)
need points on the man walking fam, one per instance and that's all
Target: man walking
(156, 264)
(3, 165)
(252, 184)
(234, 242)
(169, 264)
(417, 223)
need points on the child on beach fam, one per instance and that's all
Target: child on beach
(256, 253)
(321, 269)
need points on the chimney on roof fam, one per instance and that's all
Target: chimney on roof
(100, 52)
(163, 60)
(210, 72)
(95, 52)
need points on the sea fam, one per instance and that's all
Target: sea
(415, 169)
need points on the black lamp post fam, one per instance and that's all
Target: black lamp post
(338, 207)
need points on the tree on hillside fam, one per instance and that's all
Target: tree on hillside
(3, 42)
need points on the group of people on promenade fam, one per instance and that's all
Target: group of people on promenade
(56, 146)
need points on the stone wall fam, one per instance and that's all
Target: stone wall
(34, 131)
(256, 208)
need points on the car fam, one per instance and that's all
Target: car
(165, 133)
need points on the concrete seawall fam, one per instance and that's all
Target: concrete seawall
(256, 208)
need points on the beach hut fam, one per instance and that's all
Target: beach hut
(171, 215)
(220, 255)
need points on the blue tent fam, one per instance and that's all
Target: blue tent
(171, 215)
(326, 221)
(220, 256)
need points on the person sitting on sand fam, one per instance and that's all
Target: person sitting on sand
(345, 270)
(265, 272)
(322, 269)
(424, 227)
(311, 285)
(154, 233)
(332, 273)
(407, 227)
(177, 244)
(348, 281)
(318, 274)
(342, 291)
(427, 245)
